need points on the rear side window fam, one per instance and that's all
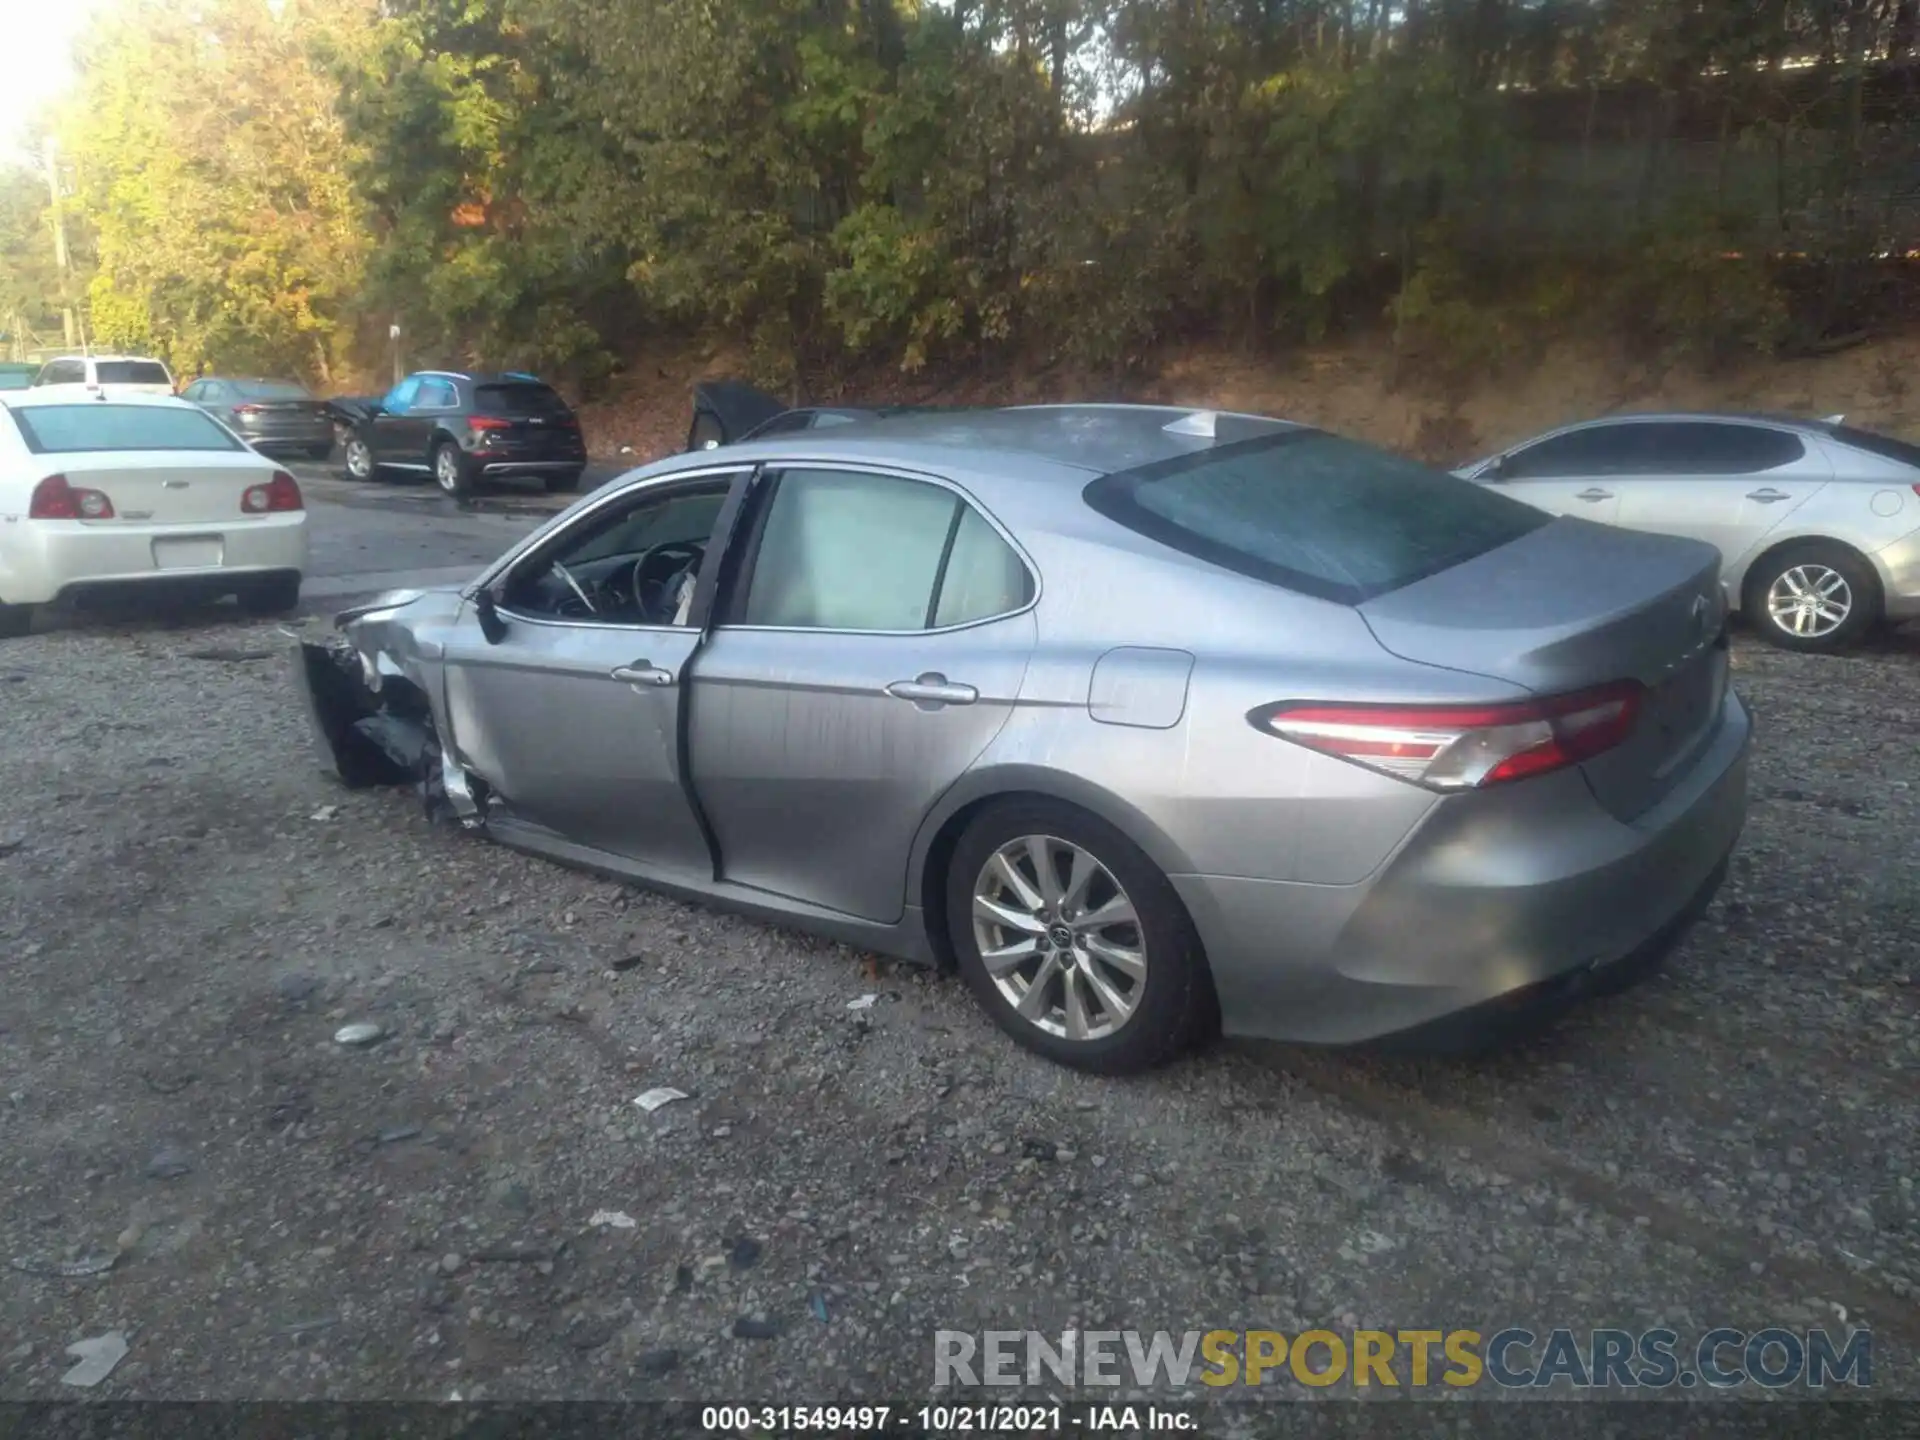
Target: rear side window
(519, 399)
(1902, 452)
(1657, 447)
(84, 429)
(849, 551)
(131, 372)
(1314, 513)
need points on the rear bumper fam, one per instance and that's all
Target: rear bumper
(1899, 567)
(529, 467)
(42, 561)
(1486, 909)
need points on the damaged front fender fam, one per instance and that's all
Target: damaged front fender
(374, 724)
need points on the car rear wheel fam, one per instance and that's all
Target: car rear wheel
(1073, 940)
(563, 482)
(450, 471)
(358, 460)
(273, 596)
(1819, 597)
(15, 621)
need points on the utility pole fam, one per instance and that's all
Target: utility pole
(60, 257)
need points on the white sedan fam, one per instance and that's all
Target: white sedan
(139, 495)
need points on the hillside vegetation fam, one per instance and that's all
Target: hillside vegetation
(978, 187)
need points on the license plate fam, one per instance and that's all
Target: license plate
(192, 552)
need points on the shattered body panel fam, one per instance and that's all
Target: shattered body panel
(374, 698)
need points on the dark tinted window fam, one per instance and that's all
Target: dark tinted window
(1657, 447)
(131, 372)
(272, 390)
(1885, 446)
(78, 429)
(62, 372)
(1314, 513)
(518, 398)
(707, 431)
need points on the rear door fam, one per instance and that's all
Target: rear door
(1725, 482)
(871, 649)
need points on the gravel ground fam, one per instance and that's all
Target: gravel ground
(189, 910)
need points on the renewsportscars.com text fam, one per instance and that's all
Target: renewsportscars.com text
(1771, 1358)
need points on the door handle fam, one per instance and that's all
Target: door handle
(1594, 492)
(642, 672)
(933, 688)
(1769, 496)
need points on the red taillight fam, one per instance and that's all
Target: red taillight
(488, 422)
(282, 492)
(54, 498)
(1916, 487)
(1463, 747)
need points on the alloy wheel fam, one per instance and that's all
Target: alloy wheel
(1059, 937)
(1809, 601)
(359, 460)
(446, 469)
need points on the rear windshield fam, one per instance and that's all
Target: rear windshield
(82, 429)
(1902, 451)
(518, 399)
(1314, 513)
(132, 372)
(272, 390)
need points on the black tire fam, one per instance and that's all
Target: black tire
(15, 621)
(1814, 562)
(563, 482)
(356, 460)
(450, 470)
(1174, 1003)
(273, 596)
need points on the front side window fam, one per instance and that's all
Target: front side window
(629, 564)
(1311, 512)
(62, 372)
(849, 551)
(400, 398)
(83, 429)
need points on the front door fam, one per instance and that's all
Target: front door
(1573, 473)
(572, 717)
(873, 647)
(394, 428)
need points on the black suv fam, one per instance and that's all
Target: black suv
(462, 428)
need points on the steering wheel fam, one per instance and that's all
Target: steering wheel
(655, 572)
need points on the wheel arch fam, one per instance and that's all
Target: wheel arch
(940, 833)
(1754, 566)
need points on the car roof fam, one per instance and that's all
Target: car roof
(23, 399)
(1018, 443)
(482, 377)
(143, 359)
(1770, 419)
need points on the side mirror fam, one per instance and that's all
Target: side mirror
(488, 614)
(1494, 469)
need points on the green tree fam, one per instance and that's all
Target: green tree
(210, 167)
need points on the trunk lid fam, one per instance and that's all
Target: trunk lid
(1574, 604)
(167, 487)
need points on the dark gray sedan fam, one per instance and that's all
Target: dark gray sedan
(275, 417)
(1128, 713)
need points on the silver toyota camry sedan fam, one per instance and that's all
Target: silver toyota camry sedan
(1148, 720)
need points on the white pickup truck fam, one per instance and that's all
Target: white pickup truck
(105, 376)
